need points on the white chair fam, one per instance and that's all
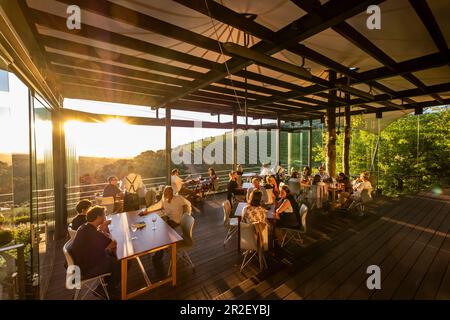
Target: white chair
(294, 186)
(230, 224)
(293, 233)
(107, 202)
(270, 196)
(360, 202)
(318, 195)
(253, 243)
(72, 232)
(91, 283)
(187, 226)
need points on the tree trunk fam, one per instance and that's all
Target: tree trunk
(347, 136)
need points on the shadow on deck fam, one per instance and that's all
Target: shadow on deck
(407, 237)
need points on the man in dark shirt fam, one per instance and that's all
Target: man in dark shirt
(81, 208)
(93, 251)
(112, 190)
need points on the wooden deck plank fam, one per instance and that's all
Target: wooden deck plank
(417, 272)
(433, 278)
(397, 264)
(387, 258)
(357, 265)
(326, 258)
(385, 231)
(331, 264)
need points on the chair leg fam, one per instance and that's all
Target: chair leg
(246, 259)
(102, 281)
(230, 233)
(77, 292)
(188, 259)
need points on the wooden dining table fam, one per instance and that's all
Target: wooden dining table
(238, 214)
(133, 245)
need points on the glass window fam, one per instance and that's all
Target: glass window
(14, 180)
(43, 199)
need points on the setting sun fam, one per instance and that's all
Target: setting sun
(112, 139)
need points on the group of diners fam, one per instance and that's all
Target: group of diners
(299, 184)
(286, 214)
(93, 249)
(198, 186)
(130, 193)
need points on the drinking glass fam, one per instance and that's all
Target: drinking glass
(133, 229)
(154, 220)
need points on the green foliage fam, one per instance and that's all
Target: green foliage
(422, 162)
(6, 236)
(21, 219)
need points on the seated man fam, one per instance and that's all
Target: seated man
(81, 208)
(93, 251)
(174, 206)
(325, 177)
(178, 184)
(257, 186)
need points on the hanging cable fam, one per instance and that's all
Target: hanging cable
(221, 52)
(418, 140)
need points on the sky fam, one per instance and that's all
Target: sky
(116, 139)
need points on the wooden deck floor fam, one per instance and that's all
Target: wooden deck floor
(408, 238)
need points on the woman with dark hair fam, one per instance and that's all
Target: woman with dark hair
(233, 187)
(112, 190)
(254, 212)
(271, 183)
(82, 208)
(287, 213)
(212, 176)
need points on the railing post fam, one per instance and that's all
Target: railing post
(168, 144)
(21, 271)
(59, 176)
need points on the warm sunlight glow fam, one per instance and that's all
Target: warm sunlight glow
(113, 138)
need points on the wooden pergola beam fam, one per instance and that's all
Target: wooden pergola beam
(426, 15)
(334, 12)
(427, 90)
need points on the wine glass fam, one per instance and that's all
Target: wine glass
(134, 229)
(154, 220)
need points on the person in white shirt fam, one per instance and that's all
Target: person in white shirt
(132, 182)
(174, 206)
(177, 184)
(257, 186)
(134, 189)
(323, 175)
(265, 170)
(360, 184)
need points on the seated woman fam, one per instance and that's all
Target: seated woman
(360, 184)
(233, 188)
(305, 179)
(288, 212)
(254, 212)
(212, 176)
(82, 208)
(271, 183)
(239, 172)
(346, 188)
(112, 190)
